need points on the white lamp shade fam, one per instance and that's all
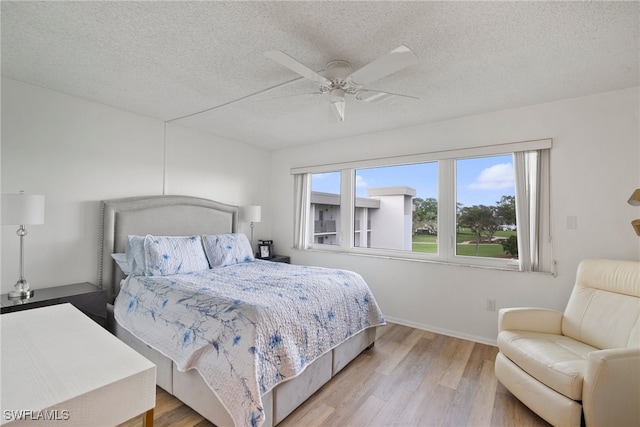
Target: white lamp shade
(22, 209)
(252, 213)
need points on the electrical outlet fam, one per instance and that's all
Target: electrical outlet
(491, 305)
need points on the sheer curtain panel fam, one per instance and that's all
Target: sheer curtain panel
(302, 195)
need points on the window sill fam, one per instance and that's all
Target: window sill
(411, 257)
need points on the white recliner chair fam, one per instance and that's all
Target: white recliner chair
(583, 362)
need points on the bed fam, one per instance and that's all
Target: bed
(273, 394)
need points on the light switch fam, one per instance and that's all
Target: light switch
(572, 222)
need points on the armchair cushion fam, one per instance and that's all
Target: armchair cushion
(554, 360)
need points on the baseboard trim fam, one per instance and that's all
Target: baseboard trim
(441, 331)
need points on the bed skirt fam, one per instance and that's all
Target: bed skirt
(278, 403)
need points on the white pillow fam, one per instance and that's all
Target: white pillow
(227, 249)
(167, 255)
(135, 255)
(121, 260)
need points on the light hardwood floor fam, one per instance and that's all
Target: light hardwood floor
(410, 378)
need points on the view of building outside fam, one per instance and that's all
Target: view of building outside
(396, 207)
(325, 207)
(396, 225)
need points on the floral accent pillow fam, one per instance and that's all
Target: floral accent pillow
(227, 249)
(169, 255)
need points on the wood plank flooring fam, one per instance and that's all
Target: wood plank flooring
(410, 378)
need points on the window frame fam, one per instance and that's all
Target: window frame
(447, 197)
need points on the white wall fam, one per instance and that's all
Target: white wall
(595, 166)
(78, 153)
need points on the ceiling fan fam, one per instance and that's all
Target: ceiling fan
(338, 81)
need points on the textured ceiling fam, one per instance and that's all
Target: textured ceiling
(171, 59)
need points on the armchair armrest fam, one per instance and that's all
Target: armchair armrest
(611, 388)
(530, 319)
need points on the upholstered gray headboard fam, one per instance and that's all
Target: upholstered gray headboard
(160, 216)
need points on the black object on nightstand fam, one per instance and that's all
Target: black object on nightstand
(86, 297)
(279, 258)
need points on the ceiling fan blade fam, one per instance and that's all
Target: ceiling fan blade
(399, 58)
(376, 96)
(292, 64)
(308, 95)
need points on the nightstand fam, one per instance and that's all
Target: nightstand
(280, 258)
(86, 297)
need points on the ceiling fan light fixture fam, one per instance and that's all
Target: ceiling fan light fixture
(339, 108)
(338, 102)
(337, 95)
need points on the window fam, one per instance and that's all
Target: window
(396, 207)
(325, 208)
(484, 206)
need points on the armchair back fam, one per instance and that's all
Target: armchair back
(604, 307)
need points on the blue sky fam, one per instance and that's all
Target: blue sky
(479, 180)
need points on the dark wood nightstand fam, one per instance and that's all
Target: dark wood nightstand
(280, 258)
(86, 297)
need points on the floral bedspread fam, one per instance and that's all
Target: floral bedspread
(249, 326)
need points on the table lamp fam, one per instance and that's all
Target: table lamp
(22, 209)
(252, 214)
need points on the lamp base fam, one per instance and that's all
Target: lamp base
(20, 294)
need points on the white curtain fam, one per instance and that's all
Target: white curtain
(302, 198)
(532, 210)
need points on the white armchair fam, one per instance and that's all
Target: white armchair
(583, 362)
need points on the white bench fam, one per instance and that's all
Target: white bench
(61, 368)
